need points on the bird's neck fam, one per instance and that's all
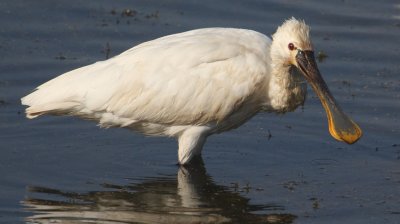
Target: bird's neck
(287, 88)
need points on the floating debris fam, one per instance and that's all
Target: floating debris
(290, 185)
(153, 15)
(321, 56)
(346, 83)
(60, 57)
(315, 204)
(128, 13)
(107, 50)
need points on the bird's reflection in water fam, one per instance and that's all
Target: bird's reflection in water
(191, 197)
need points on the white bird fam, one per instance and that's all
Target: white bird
(194, 84)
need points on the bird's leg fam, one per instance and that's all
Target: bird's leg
(191, 142)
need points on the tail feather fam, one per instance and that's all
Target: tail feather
(51, 108)
(66, 93)
(40, 102)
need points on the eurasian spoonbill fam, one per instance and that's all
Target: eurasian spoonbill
(194, 84)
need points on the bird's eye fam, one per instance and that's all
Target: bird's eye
(291, 46)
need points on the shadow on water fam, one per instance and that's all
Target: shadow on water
(190, 197)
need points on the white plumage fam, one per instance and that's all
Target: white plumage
(188, 85)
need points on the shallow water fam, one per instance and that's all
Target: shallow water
(274, 169)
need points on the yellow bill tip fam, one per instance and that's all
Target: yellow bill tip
(350, 135)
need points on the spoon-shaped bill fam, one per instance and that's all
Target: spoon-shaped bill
(341, 127)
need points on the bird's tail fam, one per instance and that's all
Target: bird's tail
(66, 94)
(52, 108)
(37, 105)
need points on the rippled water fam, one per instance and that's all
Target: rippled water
(189, 197)
(274, 169)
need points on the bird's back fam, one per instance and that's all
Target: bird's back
(195, 77)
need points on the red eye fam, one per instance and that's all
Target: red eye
(291, 46)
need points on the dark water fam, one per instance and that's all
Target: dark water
(274, 169)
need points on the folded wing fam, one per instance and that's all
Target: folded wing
(195, 77)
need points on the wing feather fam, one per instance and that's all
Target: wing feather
(195, 77)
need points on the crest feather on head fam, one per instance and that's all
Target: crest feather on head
(293, 31)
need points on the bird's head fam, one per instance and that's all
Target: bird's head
(292, 46)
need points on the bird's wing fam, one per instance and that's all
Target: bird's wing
(194, 77)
